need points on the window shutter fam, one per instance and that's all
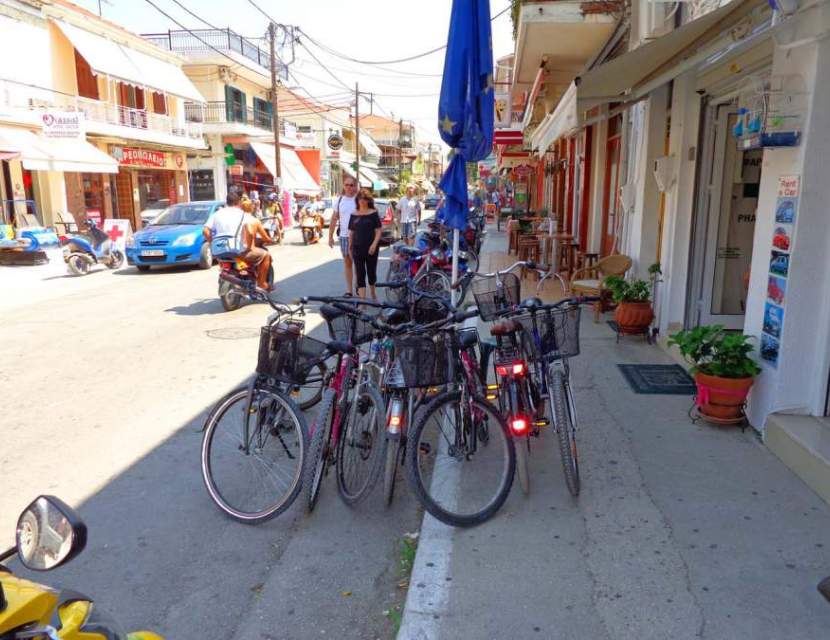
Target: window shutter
(228, 103)
(244, 106)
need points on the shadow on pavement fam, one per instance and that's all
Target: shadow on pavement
(161, 269)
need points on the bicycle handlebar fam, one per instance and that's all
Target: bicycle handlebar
(530, 264)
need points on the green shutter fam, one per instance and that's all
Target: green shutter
(228, 103)
(244, 106)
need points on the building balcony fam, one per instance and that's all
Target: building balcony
(223, 117)
(26, 104)
(203, 43)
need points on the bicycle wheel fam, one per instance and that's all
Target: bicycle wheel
(390, 471)
(434, 282)
(307, 395)
(460, 459)
(395, 272)
(254, 481)
(565, 430)
(318, 451)
(362, 445)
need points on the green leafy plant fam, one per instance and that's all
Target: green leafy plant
(713, 351)
(628, 291)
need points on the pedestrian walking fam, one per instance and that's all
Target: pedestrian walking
(364, 239)
(343, 208)
(409, 210)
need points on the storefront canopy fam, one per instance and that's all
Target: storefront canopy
(109, 58)
(378, 183)
(55, 154)
(295, 177)
(369, 146)
(347, 168)
(632, 75)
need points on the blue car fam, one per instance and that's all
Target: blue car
(175, 237)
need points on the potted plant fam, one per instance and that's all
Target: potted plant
(723, 370)
(633, 299)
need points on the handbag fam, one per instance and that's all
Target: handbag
(228, 247)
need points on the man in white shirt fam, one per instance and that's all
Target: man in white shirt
(344, 207)
(409, 209)
(232, 222)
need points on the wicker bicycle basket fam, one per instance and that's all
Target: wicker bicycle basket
(558, 333)
(287, 355)
(424, 360)
(491, 298)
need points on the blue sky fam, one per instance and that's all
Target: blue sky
(362, 29)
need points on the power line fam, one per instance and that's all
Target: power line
(325, 68)
(380, 62)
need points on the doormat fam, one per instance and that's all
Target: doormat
(658, 379)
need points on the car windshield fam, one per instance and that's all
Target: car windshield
(191, 213)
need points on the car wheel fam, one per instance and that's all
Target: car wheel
(205, 257)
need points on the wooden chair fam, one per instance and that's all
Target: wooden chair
(588, 281)
(530, 248)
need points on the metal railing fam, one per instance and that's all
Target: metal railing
(15, 95)
(221, 112)
(204, 41)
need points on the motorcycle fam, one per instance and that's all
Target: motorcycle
(50, 534)
(83, 250)
(310, 226)
(237, 282)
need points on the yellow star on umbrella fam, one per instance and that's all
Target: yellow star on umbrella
(447, 125)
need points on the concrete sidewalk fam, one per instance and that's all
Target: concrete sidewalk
(681, 530)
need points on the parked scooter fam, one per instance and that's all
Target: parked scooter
(83, 250)
(311, 226)
(237, 283)
(49, 534)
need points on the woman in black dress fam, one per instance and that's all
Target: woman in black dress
(364, 238)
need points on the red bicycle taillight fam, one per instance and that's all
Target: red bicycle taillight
(519, 426)
(516, 369)
(395, 421)
(501, 370)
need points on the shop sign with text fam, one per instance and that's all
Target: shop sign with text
(148, 158)
(63, 124)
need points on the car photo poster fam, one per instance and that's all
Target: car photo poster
(786, 210)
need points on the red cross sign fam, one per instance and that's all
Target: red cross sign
(114, 233)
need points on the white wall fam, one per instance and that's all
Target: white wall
(598, 156)
(677, 223)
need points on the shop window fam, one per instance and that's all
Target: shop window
(159, 103)
(235, 105)
(87, 82)
(263, 111)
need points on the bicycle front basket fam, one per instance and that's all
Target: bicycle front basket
(285, 354)
(426, 310)
(424, 360)
(492, 297)
(346, 328)
(559, 330)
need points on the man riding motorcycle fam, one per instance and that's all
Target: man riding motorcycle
(232, 221)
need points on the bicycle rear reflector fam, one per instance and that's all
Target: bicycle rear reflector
(519, 426)
(516, 369)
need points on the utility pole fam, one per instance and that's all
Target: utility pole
(357, 133)
(400, 153)
(275, 113)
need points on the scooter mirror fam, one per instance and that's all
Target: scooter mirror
(49, 533)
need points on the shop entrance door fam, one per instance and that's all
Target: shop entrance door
(727, 235)
(611, 191)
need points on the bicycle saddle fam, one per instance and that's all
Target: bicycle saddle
(505, 328)
(338, 347)
(467, 339)
(329, 312)
(393, 316)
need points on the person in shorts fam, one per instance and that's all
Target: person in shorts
(344, 206)
(409, 210)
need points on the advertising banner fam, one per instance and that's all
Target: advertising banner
(63, 124)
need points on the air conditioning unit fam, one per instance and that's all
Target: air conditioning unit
(656, 18)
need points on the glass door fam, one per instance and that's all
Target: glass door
(611, 192)
(730, 229)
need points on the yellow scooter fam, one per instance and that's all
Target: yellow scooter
(49, 534)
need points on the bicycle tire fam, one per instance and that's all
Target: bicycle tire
(424, 494)
(522, 463)
(565, 432)
(319, 382)
(376, 441)
(209, 477)
(317, 452)
(390, 470)
(436, 282)
(394, 273)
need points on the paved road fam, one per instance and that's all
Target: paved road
(106, 381)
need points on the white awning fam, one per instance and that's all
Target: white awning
(369, 146)
(632, 75)
(108, 58)
(378, 183)
(38, 153)
(295, 177)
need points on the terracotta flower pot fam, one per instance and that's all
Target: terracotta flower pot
(721, 398)
(633, 317)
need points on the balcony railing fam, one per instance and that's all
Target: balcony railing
(204, 41)
(220, 112)
(14, 95)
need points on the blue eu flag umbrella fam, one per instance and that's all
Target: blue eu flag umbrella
(465, 110)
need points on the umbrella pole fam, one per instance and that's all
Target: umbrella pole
(455, 239)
